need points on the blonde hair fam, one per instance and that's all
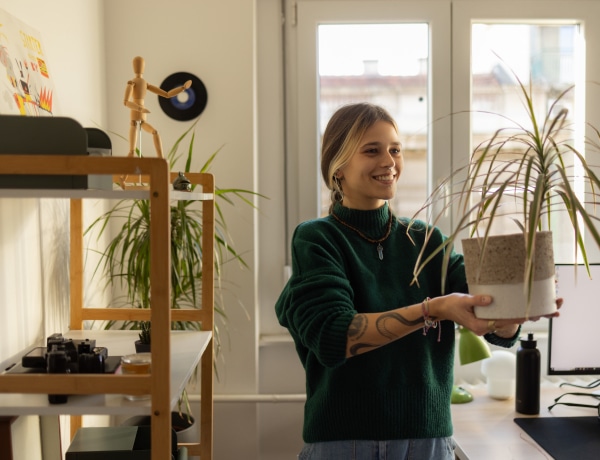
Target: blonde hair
(342, 136)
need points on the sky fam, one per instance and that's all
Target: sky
(401, 48)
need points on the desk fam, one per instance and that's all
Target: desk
(484, 429)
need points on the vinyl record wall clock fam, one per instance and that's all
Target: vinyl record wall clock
(188, 104)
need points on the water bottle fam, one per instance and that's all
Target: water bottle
(527, 399)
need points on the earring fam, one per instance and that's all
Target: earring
(337, 194)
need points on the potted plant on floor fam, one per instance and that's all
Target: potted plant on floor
(125, 261)
(532, 167)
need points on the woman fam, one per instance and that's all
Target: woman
(378, 350)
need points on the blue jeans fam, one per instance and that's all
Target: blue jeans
(403, 449)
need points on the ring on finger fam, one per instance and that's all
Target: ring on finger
(491, 325)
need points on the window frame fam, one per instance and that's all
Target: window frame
(449, 80)
(303, 170)
(585, 13)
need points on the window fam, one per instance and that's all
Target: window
(561, 38)
(544, 57)
(372, 62)
(384, 67)
(549, 48)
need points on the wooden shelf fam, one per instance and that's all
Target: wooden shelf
(100, 194)
(186, 349)
(174, 353)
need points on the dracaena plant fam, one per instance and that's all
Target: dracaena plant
(526, 173)
(126, 263)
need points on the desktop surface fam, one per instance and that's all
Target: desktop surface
(485, 428)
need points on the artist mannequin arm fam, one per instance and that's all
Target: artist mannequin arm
(171, 93)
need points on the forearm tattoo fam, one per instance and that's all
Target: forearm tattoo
(358, 326)
(360, 323)
(386, 319)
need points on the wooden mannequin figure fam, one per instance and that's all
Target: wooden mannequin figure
(134, 100)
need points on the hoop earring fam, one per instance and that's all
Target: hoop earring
(337, 194)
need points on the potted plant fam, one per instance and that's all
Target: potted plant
(531, 167)
(125, 261)
(143, 344)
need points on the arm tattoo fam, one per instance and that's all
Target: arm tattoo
(356, 349)
(384, 320)
(358, 326)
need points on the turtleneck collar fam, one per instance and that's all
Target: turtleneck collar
(372, 222)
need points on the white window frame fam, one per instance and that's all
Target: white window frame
(303, 170)
(449, 72)
(586, 13)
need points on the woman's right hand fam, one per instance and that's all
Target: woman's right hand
(460, 308)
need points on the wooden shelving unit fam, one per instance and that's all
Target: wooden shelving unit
(174, 353)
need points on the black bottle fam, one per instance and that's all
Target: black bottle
(528, 377)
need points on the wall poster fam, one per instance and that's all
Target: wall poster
(26, 86)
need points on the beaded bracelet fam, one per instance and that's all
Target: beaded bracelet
(429, 323)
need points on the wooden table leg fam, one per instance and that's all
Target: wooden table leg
(76, 423)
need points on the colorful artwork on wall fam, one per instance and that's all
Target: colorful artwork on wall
(26, 86)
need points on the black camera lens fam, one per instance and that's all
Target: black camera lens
(57, 364)
(91, 363)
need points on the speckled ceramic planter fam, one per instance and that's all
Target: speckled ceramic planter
(501, 275)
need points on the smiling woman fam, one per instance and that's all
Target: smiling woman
(370, 176)
(359, 324)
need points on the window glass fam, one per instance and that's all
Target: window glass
(386, 64)
(543, 58)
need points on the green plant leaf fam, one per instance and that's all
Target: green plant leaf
(126, 259)
(532, 165)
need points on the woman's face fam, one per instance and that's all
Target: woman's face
(370, 178)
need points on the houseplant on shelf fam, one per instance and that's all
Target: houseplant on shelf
(143, 344)
(532, 167)
(125, 261)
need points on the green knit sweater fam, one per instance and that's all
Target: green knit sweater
(398, 391)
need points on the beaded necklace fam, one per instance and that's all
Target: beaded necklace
(365, 237)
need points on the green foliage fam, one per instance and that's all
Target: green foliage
(126, 260)
(533, 166)
(145, 334)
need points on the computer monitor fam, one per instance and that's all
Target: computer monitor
(574, 337)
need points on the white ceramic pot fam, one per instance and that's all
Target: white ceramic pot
(502, 276)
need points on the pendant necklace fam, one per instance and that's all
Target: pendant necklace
(365, 237)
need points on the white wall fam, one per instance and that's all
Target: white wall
(196, 37)
(213, 39)
(76, 65)
(32, 232)
(90, 46)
